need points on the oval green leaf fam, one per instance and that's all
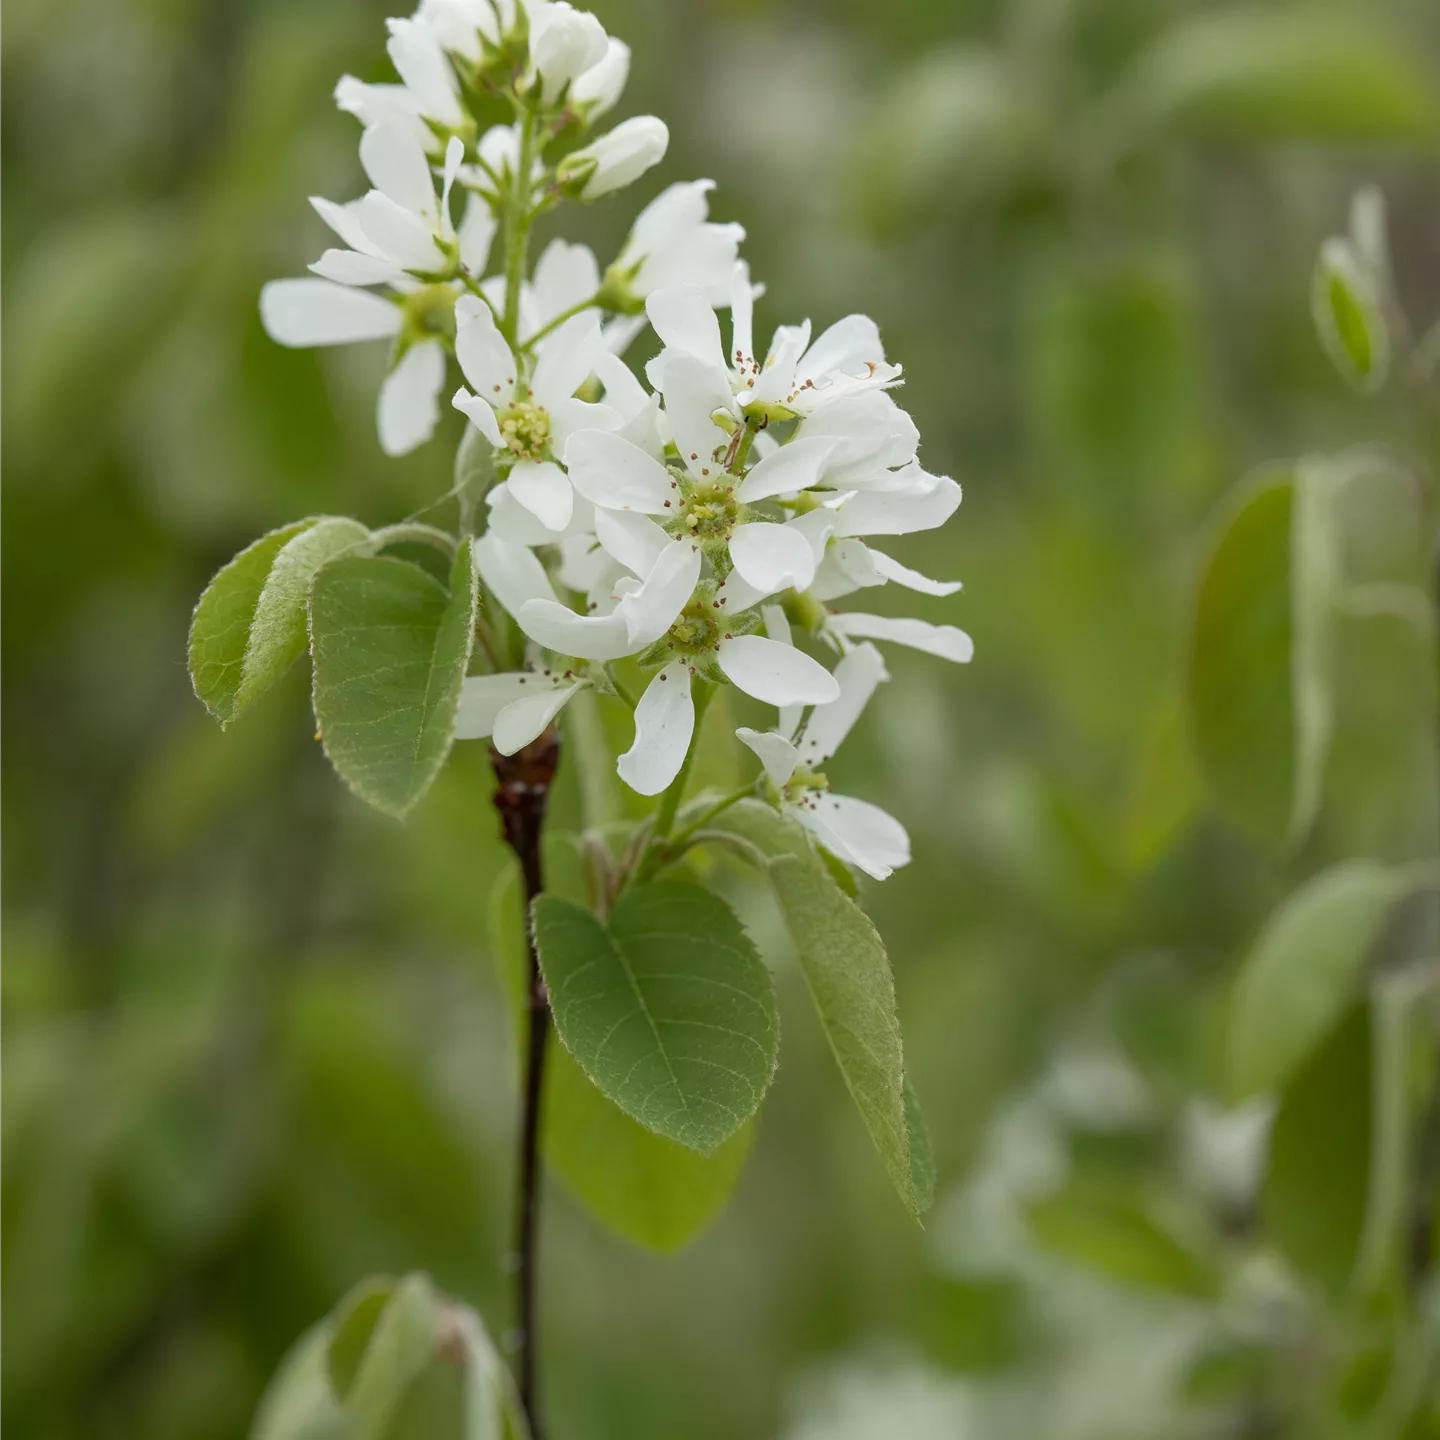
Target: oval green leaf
(665, 1005)
(1350, 316)
(1304, 972)
(848, 975)
(643, 1187)
(1238, 682)
(390, 649)
(1316, 1190)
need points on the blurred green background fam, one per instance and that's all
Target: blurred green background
(254, 1047)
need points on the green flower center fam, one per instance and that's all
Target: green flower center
(429, 314)
(708, 511)
(525, 429)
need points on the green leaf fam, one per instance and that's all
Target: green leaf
(394, 1361)
(390, 649)
(249, 626)
(298, 1403)
(1304, 972)
(353, 1327)
(665, 1005)
(1115, 1236)
(1317, 583)
(1264, 76)
(1315, 1195)
(647, 1189)
(1164, 791)
(848, 975)
(1349, 313)
(1238, 685)
(922, 1153)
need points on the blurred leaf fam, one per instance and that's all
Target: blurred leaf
(249, 626)
(650, 1190)
(299, 1404)
(390, 650)
(1114, 378)
(1304, 972)
(1317, 584)
(1314, 1198)
(88, 298)
(402, 1342)
(1349, 313)
(1164, 791)
(666, 1006)
(1241, 716)
(409, 1365)
(948, 128)
(1114, 1235)
(1252, 75)
(354, 1325)
(848, 975)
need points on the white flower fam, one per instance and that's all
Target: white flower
(464, 26)
(797, 376)
(564, 44)
(599, 88)
(708, 503)
(401, 229)
(416, 53)
(531, 417)
(371, 104)
(945, 641)
(398, 232)
(672, 242)
(617, 158)
(854, 830)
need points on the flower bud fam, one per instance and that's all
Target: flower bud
(600, 87)
(564, 43)
(615, 159)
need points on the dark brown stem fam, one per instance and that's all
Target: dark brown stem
(521, 797)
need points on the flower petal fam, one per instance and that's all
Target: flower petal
(911, 579)
(685, 321)
(399, 234)
(511, 573)
(344, 220)
(484, 356)
(409, 406)
(352, 267)
(558, 628)
(476, 234)
(396, 165)
(694, 390)
(569, 417)
(416, 54)
(567, 357)
(856, 831)
(792, 468)
(524, 720)
(924, 505)
(636, 542)
(777, 754)
(858, 674)
(544, 489)
(664, 727)
(615, 474)
(319, 312)
(565, 276)
(651, 610)
(943, 640)
(772, 557)
(775, 673)
(480, 414)
(483, 697)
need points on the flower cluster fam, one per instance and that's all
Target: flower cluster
(698, 518)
